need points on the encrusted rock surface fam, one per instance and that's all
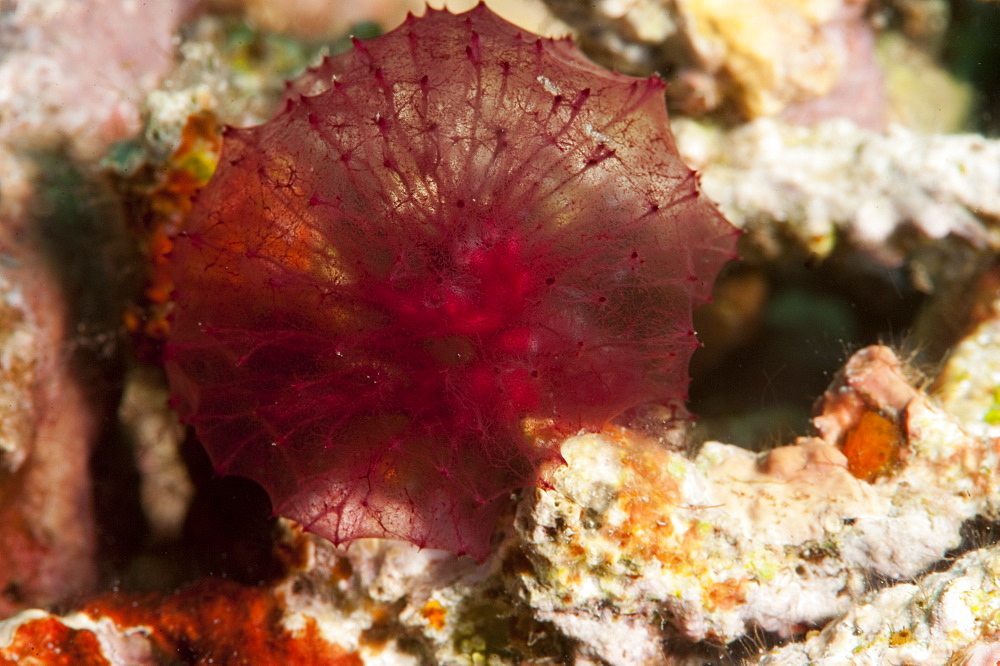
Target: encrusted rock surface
(166, 488)
(943, 618)
(47, 431)
(836, 181)
(634, 545)
(215, 621)
(75, 72)
(969, 384)
(781, 540)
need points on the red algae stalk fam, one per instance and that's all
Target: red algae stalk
(447, 236)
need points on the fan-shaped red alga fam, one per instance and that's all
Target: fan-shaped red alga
(446, 237)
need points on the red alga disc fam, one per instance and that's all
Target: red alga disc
(447, 234)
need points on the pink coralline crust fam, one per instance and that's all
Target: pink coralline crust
(871, 381)
(48, 540)
(73, 73)
(860, 94)
(446, 237)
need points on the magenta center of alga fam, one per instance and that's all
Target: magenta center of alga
(446, 237)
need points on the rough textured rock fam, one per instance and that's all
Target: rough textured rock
(76, 72)
(635, 548)
(835, 180)
(813, 58)
(633, 552)
(943, 618)
(47, 540)
(733, 539)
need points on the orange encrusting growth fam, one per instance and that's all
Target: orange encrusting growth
(169, 201)
(48, 641)
(872, 446)
(221, 622)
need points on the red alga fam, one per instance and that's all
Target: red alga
(449, 240)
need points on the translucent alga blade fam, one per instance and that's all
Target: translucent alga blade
(447, 236)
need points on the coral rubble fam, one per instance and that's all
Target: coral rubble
(810, 58)
(732, 539)
(837, 180)
(47, 431)
(943, 618)
(76, 72)
(634, 545)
